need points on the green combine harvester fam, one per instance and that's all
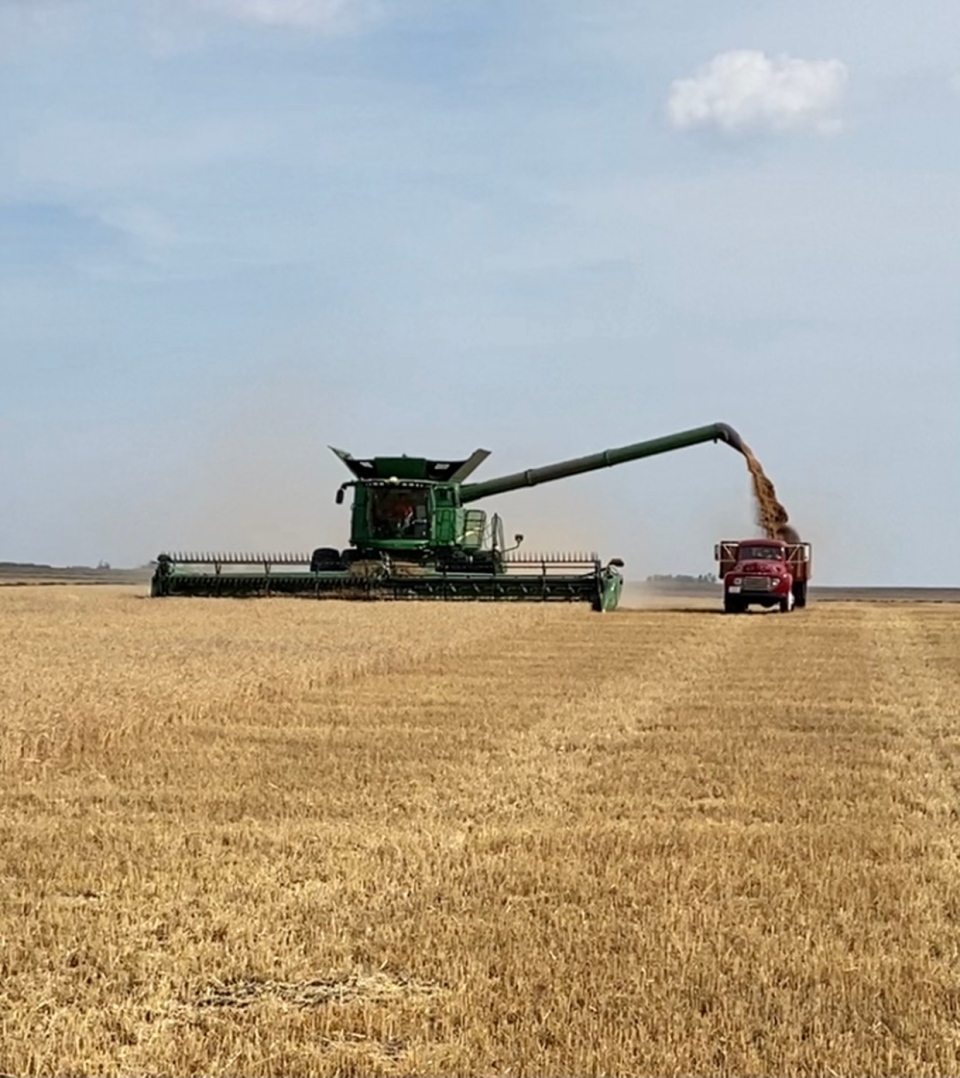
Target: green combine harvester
(412, 537)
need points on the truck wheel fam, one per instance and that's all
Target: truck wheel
(800, 593)
(732, 605)
(785, 605)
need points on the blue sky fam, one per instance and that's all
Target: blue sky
(233, 232)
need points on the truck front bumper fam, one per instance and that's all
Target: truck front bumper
(754, 594)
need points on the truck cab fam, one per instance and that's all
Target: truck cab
(763, 572)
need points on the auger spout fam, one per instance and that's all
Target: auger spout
(716, 432)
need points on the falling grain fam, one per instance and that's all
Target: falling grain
(771, 515)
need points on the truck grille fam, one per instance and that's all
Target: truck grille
(756, 583)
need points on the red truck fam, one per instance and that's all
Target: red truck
(765, 572)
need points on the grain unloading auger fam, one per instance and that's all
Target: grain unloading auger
(413, 537)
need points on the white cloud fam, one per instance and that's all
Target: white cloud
(329, 16)
(746, 92)
(954, 82)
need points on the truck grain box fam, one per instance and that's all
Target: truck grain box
(763, 572)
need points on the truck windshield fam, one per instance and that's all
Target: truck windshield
(761, 553)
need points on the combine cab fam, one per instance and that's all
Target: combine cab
(412, 536)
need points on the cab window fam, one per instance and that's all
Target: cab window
(761, 553)
(399, 512)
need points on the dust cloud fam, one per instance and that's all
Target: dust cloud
(258, 475)
(553, 518)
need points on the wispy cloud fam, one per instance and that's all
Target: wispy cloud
(95, 156)
(326, 16)
(25, 22)
(746, 92)
(147, 227)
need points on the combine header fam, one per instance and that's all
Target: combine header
(412, 537)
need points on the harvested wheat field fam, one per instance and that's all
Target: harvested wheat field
(289, 837)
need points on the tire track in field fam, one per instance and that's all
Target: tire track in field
(916, 686)
(911, 696)
(422, 770)
(503, 731)
(754, 825)
(757, 719)
(641, 843)
(571, 704)
(706, 828)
